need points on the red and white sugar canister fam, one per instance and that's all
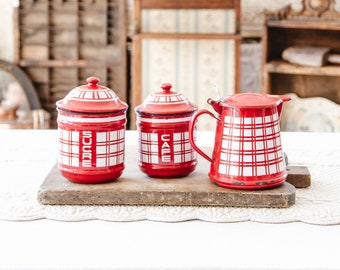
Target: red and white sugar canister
(163, 130)
(91, 124)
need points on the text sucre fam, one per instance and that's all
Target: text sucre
(86, 148)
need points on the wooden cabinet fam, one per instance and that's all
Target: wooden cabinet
(61, 43)
(290, 28)
(194, 45)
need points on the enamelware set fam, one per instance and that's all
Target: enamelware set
(247, 151)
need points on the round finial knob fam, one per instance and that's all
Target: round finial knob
(93, 82)
(319, 5)
(166, 87)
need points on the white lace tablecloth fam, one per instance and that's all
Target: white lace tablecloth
(26, 157)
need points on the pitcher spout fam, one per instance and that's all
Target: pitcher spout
(283, 99)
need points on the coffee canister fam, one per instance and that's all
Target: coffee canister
(163, 120)
(91, 124)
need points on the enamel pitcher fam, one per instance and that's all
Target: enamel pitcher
(248, 152)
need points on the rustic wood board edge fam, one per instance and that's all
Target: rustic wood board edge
(299, 176)
(194, 190)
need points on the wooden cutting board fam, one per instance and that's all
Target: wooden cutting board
(135, 188)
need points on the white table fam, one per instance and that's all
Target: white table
(99, 244)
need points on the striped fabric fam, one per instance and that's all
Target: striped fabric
(203, 21)
(193, 67)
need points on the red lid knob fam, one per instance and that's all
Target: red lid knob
(93, 82)
(166, 88)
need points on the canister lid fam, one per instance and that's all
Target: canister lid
(91, 98)
(166, 102)
(253, 100)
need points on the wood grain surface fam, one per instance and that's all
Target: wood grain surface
(136, 188)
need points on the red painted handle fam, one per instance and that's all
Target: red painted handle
(192, 129)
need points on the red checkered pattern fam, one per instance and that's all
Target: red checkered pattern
(183, 151)
(69, 147)
(251, 146)
(181, 148)
(148, 147)
(109, 148)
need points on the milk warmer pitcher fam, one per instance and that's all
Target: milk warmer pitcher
(248, 152)
(91, 124)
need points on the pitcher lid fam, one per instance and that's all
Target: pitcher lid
(253, 100)
(91, 98)
(166, 102)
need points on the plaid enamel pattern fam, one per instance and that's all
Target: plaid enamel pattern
(152, 149)
(110, 148)
(251, 146)
(78, 148)
(69, 147)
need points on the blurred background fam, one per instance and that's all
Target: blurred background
(49, 47)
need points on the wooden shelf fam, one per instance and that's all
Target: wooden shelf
(304, 24)
(182, 54)
(189, 36)
(68, 41)
(68, 63)
(280, 66)
(194, 4)
(300, 28)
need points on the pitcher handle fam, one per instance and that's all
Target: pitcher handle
(192, 124)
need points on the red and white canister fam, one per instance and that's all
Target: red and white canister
(163, 130)
(91, 124)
